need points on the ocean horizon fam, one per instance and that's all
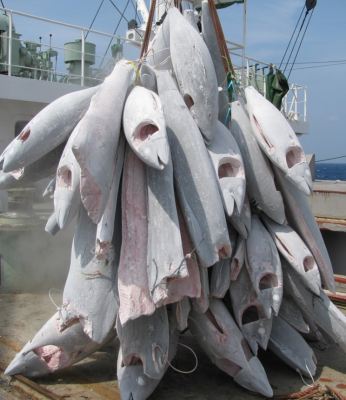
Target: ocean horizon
(330, 171)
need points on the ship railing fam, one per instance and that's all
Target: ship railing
(45, 59)
(250, 71)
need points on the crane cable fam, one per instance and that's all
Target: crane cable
(293, 33)
(3, 6)
(95, 16)
(297, 36)
(301, 42)
(115, 31)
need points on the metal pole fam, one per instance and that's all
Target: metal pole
(244, 37)
(10, 38)
(83, 59)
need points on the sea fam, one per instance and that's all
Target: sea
(330, 171)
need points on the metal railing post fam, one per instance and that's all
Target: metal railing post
(82, 59)
(10, 38)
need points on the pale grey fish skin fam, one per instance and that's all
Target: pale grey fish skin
(224, 344)
(291, 348)
(50, 127)
(292, 247)
(263, 264)
(209, 36)
(182, 311)
(133, 383)
(148, 77)
(201, 304)
(302, 220)
(66, 196)
(147, 338)
(260, 183)
(52, 225)
(90, 292)
(238, 258)
(96, 143)
(132, 273)
(165, 256)
(105, 228)
(220, 278)
(158, 55)
(293, 316)
(252, 311)
(145, 128)
(229, 169)
(195, 73)
(55, 349)
(319, 309)
(190, 16)
(49, 190)
(277, 139)
(42, 168)
(241, 222)
(197, 189)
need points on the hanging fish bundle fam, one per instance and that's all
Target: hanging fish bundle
(183, 220)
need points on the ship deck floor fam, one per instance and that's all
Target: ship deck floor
(21, 315)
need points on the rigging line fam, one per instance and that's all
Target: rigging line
(115, 31)
(3, 6)
(95, 16)
(136, 11)
(296, 40)
(301, 42)
(123, 16)
(318, 62)
(330, 159)
(320, 66)
(289, 43)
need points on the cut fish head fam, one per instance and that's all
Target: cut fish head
(256, 327)
(145, 127)
(254, 378)
(133, 383)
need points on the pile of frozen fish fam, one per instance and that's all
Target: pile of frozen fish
(184, 220)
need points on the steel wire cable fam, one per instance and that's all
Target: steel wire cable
(95, 16)
(301, 42)
(289, 43)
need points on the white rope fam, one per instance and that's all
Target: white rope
(189, 371)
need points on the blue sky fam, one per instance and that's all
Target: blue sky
(270, 24)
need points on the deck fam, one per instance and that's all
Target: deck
(95, 378)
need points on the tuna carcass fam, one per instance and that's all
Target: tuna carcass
(165, 258)
(209, 36)
(133, 382)
(97, 140)
(90, 293)
(195, 73)
(260, 183)
(278, 140)
(51, 349)
(229, 168)
(222, 341)
(134, 295)
(43, 168)
(146, 340)
(144, 127)
(291, 246)
(302, 220)
(194, 176)
(263, 264)
(67, 194)
(50, 127)
(290, 346)
(251, 311)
